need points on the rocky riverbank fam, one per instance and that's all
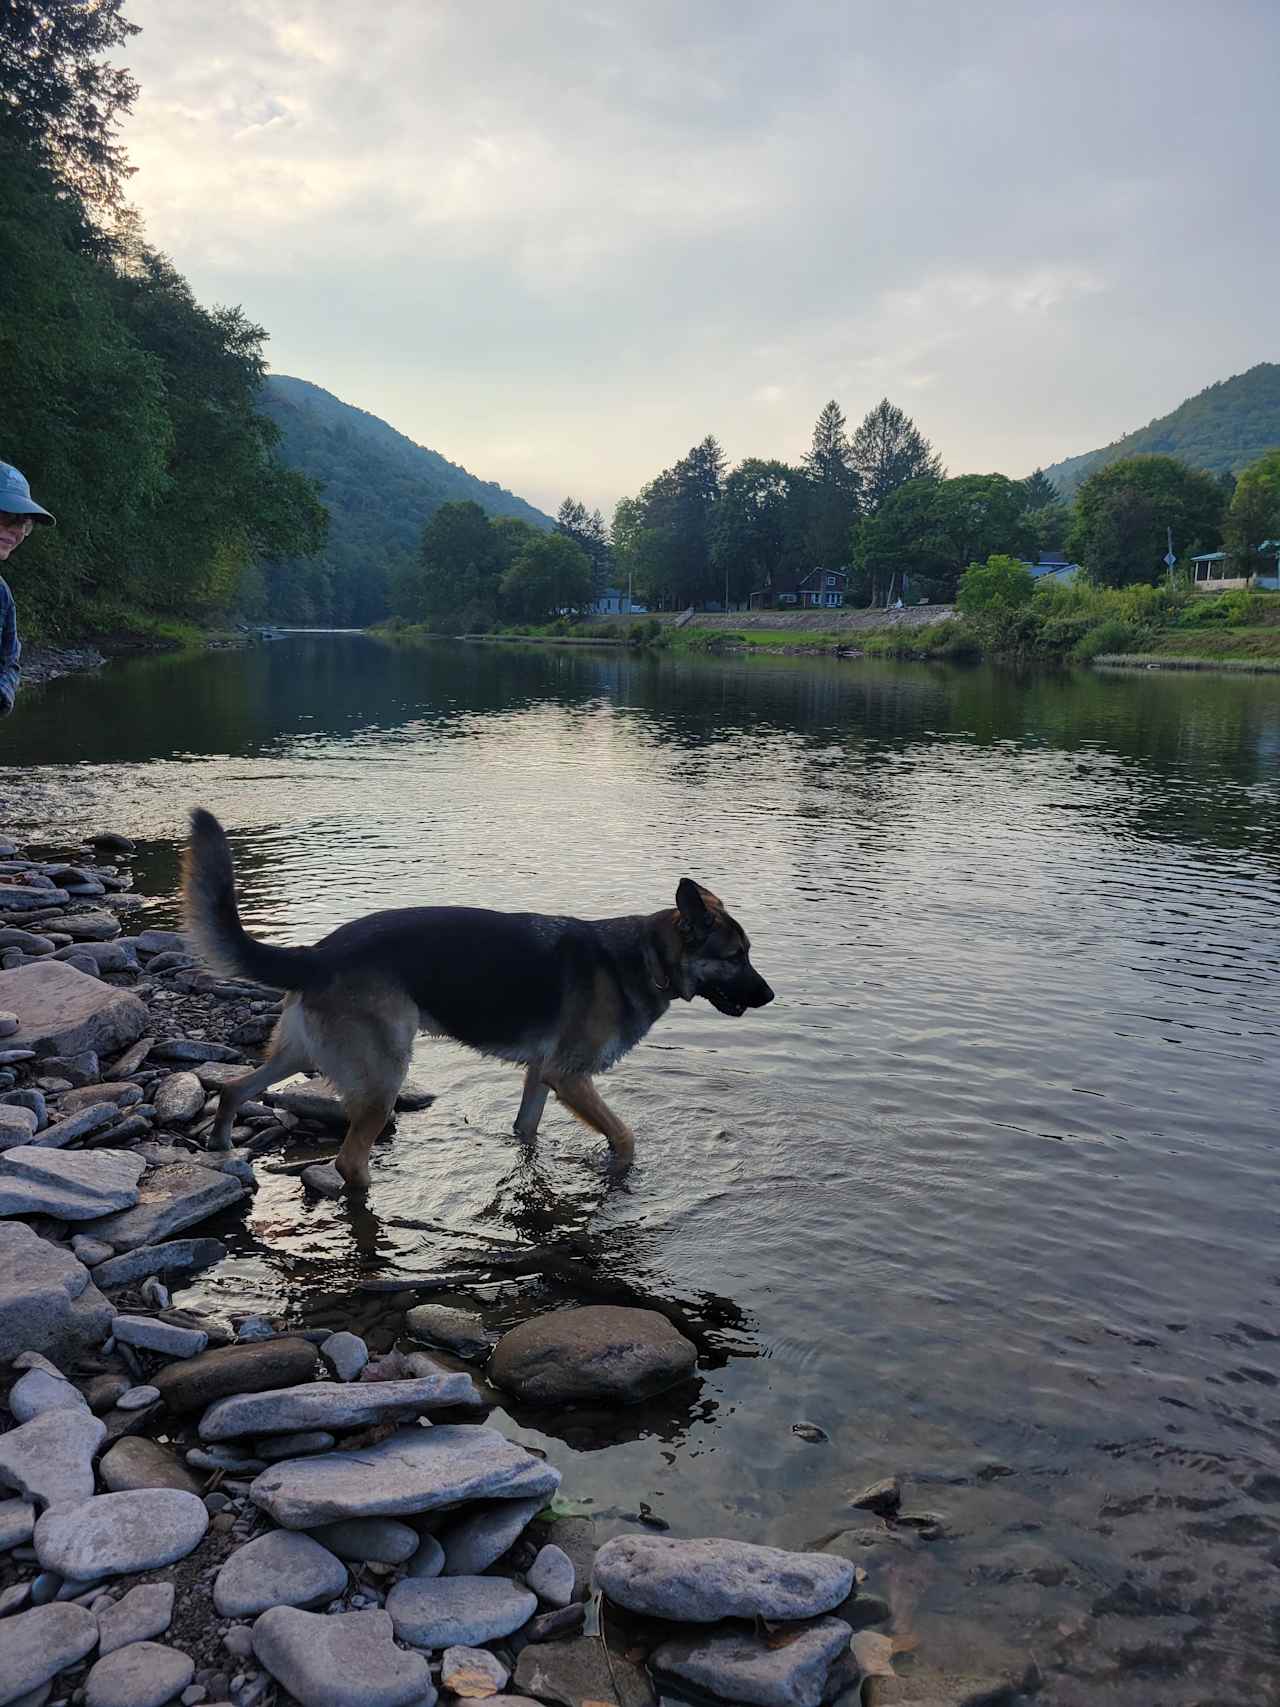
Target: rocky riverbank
(261, 1513)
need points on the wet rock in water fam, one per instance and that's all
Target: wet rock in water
(38, 1391)
(324, 1179)
(178, 1099)
(445, 1612)
(703, 1581)
(580, 1671)
(458, 1330)
(36, 1645)
(599, 1351)
(416, 1470)
(82, 1186)
(113, 1534)
(378, 1539)
(172, 1198)
(551, 1576)
(346, 1355)
(279, 1569)
(810, 1433)
(136, 1462)
(172, 1256)
(163, 1337)
(428, 1560)
(741, 1666)
(17, 1520)
(145, 1674)
(296, 1445)
(49, 1460)
(113, 842)
(472, 1673)
(333, 1405)
(17, 1126)
(473, 1543)
(346, 1659)
(144, 1612)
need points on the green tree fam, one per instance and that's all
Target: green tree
(57, 95)
(760, 529)
(833, 502)
(1039, 491)
(1001, 581)
(1254, 512)
(550, 577)
(1125, 511)
(928, 530)
(672, 529)
(887, 451)
(587, 529)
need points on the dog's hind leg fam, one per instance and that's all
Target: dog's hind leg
(367, 1122)
(361, 1035)
(532, 1102)
(287, 1058)
(578, 1093)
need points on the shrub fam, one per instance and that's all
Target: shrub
(1001, 582)
(1113, 636)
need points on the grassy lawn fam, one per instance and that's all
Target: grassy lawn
(1257, 641)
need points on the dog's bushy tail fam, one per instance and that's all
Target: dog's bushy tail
(213, 918)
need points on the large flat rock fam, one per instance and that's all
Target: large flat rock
(415, 1470)
(334, 1405)
(175, 1196)
(35, 1646)
(62, 1011)
(268, 1365)
(599, 1351)
(112, 1534)
(49, 1460)
(343, 1659)
(700, 1582)
(73, 1185)
(445, 1612)
(47, 1301)
(146, 1260)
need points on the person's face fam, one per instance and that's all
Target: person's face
(13, 530)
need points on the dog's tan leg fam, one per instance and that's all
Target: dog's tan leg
(532, 1103)
(282, 1064)
(579, 1094)
(352, 1160)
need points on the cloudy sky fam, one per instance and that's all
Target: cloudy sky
(561, 242)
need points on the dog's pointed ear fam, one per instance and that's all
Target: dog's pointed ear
(695, 915)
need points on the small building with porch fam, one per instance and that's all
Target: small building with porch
(814, 589)
(1211, 570)
(615, 601)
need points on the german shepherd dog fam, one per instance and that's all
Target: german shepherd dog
(565, 998)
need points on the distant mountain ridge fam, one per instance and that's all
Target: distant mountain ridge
(1222, 428)
(379, 487)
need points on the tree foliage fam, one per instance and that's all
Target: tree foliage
(1254, 511)
(587, 529)
(1001, 581)
(833, 499)
(929, 530)
(887, 451)
(1125, 512)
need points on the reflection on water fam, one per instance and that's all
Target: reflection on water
(988, 1193)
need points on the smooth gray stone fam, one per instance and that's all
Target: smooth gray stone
(63, 1011)
(309, 1105)
(324, 1179)
(37, 1391)
(162, 942)
(163, 1337)
(77, 1187)
(473, 1543)
(378, 1539)
(295, 1445)
(138, 1398)
(15, 1598)
(428, 1560)
(28, 898)
(136, 1462)
(95, 1118)
(38, 1644)
(346, 1354)
(178, 1099)
(551, 1576)
(459, 1330)
(472, 1672)
(123, 1093)
(18, 1125)
(346, 1659)
(700, 1582)
(332, 1405)
(17, 1520)
(279, 1569)
(165, 1258)
(597, 1351)
(145, 1674)
(49, 1460)
(93, 926)
(739, 1665)
(30, 1099)
(447, 1612)
(144, 1612)
(30, 942)
(47, 1301)
(197, 1049)
(114, 1534)
(89, 1251)
(416, 1470)
(107, 956)
(173, 1197)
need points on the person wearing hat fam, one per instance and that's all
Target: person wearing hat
(19, 513)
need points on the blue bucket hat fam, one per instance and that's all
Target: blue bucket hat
(15, 495)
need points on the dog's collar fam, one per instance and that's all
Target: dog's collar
(658, 974)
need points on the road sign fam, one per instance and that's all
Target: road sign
(1170, 559)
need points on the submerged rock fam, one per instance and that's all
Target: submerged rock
(601, 1351)
(701, 1582)
(741, 1666)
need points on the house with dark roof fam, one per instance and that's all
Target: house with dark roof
(815, 589)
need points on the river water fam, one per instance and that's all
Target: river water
(988, 1194)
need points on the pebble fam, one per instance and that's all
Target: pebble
(8, 1023)
(144, 1612)
(164, 1337)
(551, 1576)
(428, 1561)
(882, 1497)
(278, 1569)
(472, 1672)
(378, 1539)
(444, 1612)
(91, 1252)
(474, 1542)
(104, 1391)
(145, 1674)
(113, 1534)
(704, 1581)
(346, 1354)
(340, 1660)
(179, 1099)
(37, 1644)
(137, 1398)
(458, 1330)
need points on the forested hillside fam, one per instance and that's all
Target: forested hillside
(1221, 429)
(380, 489)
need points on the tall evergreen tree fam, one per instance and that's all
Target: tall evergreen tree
(833, 506)
(588, 530)
(888, 450)
(1039, 490)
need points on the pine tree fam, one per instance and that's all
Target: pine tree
(888, 450)
(1039, 490)
(833, 507)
